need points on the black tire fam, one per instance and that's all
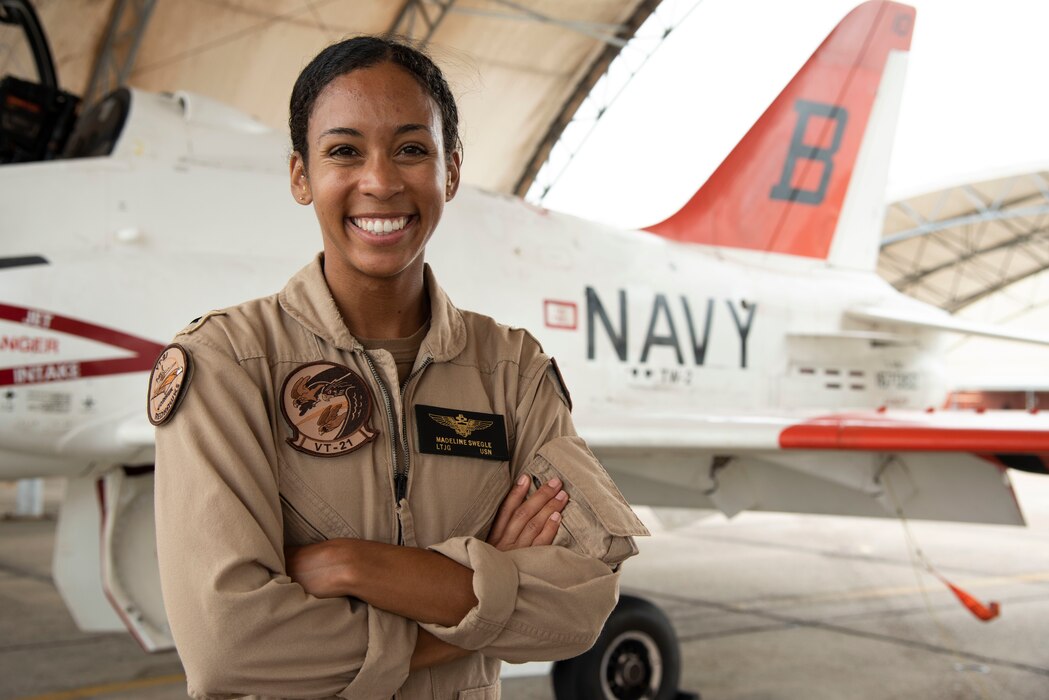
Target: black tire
(636, 658)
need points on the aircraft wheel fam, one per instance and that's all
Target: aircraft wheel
(635, 658)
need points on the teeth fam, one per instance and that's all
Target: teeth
(381, 226)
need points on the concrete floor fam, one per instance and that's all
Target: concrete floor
(767, 607)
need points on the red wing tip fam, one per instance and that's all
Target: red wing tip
(876, 433)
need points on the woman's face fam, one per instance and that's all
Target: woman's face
(377, 176)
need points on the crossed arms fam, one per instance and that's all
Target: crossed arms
(419, 584)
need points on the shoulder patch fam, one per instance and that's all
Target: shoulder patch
(200, 321)
(167, 383)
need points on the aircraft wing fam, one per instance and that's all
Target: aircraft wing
(943, 465)
(941, 322)
(991, 432)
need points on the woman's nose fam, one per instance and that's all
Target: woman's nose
(380, 178)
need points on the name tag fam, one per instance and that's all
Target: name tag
(452, 432)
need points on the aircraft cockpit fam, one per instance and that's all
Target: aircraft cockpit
(39, 120)
(36, 117)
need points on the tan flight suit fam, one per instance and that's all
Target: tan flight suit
(231, 492)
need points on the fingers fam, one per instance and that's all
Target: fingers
(545, 523)
(523, 514)
(512, 501)
(530, 520)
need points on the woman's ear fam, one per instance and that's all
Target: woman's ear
(300, 183)
(452, 183)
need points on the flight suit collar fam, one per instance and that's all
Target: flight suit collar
(308, 300)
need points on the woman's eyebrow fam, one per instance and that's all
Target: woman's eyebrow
(350, 131)
(405, 128)
(341, 131)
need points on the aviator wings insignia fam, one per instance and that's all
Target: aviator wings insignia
(463, 426)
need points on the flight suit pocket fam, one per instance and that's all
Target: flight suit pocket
(597, 521)
(298, 531)
(489, 692)
(477, 517)
(306, 513)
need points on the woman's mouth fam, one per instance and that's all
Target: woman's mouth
(380, 226)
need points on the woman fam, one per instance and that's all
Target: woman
(339, 516)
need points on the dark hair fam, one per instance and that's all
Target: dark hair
(364, 52)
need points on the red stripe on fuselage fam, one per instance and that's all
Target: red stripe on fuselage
(145, 351)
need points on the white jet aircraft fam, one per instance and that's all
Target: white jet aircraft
(740, 355)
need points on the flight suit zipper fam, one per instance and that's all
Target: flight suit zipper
(402, 484)
(392, 424)
(398, 438)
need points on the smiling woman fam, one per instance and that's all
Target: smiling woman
(378, 174)
(362, 490)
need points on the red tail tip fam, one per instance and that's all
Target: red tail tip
(782, 188)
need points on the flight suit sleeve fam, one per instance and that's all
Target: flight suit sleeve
(240, 624)
(548, 603)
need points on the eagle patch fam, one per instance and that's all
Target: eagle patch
(328, 408)
(452, 432)
(167, 384)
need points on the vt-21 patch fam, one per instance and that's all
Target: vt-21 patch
(453, 432)
(328, 408)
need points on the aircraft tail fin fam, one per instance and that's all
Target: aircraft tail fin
(808, 179)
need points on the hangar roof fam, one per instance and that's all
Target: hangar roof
(519, 68)
(959, 244)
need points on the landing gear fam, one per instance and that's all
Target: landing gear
(635, 658)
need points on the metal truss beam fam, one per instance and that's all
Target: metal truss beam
(955, 305)
(420, 19)
(426, 15)
(127, 24)
(979, 217)
(598, 30)
(1020, 240)
(610, 34)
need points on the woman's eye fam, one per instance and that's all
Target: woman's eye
(413, 149)
(342, 151)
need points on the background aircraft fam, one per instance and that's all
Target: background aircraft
(740, 355)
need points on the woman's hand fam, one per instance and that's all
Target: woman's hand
(528, 521)
(321, 568)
